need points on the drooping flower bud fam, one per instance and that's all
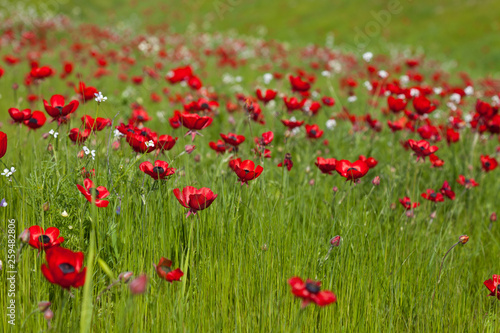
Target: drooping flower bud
(139, 285)
(335, 241)
(43, 306)
(25, 236)
(125, 276)
(376, 181)
(463, 239)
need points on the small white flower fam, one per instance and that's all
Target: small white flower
(326, 73)
(495, 100)
(3, 203)
(368, 85)
(352, 99)
(53, 133)
(414, 92)
(455, 98)
(296, 131)
(468, 118)
(64, 214)
(117, 133)
(86, 150)
(99, 98)
(404, 79)
(238, 79)
(268, 78)
(367, 56)
(438, 90)
(469, 90)
(330, 124)
(452, 106)
(93, 154)
(383, 74)
(7, 172)
(149, 143)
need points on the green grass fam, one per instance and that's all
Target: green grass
(238, 254)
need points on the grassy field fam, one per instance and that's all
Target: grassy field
(238, 254)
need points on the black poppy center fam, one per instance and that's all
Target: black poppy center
(33, 121)
(60, 108)
(487, 164)
(433, 195)
(246, 171)
(158, 170)
(166, 269)
(44, 239)
(220, 145)
(67, 268)
(422, 148)
(232, 137)
(408, 203)
(313, 132)
(313, 288)
(351, 169)
(140, 118)
(144, 133)
(93, 192)
(204, 106)
(498, 288)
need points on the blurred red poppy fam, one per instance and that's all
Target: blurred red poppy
(160, 170)
(326, 165)
(93, 194)
(310, 291)
(36, 120)
(195, 199)
(351, 171)
(164, 270)
(44, 240)
(64, 267)
(493, 286)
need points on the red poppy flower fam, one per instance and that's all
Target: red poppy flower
(44, 240)
(138, 116)
(310, 291)
(19, 116)
(166, 142)
(164, 270)
(422, 105)
(269, 95)
(194, 122)
(452, 136)
(160, 170)
(293, 103)
(64, 267)
(179, 74)
(259, 152)
(287, 162)
(292, 124)
(328, 101)
(194, 82)
(493, 286)
(201, 104)
(431, 195)
(370, 161)
(436, 161)
(396, 104)
(96, 125)
(467, 182)
(313, 131)
(3, 144)
(245, 170)
(57, 109)
(326, 165)
(41, 72)
(351, 171)
(36, 120)
(175, 121)
(86, 93)
(422, 148)
(488, 163)
(195, 199)
(407, 204)
(265, 139)
(219, 146)
(447, 191)
(93, 194)
(79, 136)
(299, 85)
(397, 125)
(484, 109)
(140, 144)
(233, 139)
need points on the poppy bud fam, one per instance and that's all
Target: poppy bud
(15, 86)
(50, 148)
(311, 182)
(139, 285)
(376, 181)
(125, 276)
(81, 154)
(308, 169)
(393, 206)
(335, 241)
(48, 314)
(116, 145)
(463, 239)
(64, 214)
(43, 306)
(493, 217)
(45, 135)
(409, 213)
(25, 236)
(197, 158)
(46, 206)
(189, 148)
(335, 189)
(264, 247)
(433, 215)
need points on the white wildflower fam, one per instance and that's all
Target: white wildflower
(7, 172)
(268, 78)
(99, 98)
(149, 143)
(330, 124)
(414, 92)
(117, 133)
(438, 90)
(383, 74)
(53, 133)
(326, 73)
(64, 214)
(455, 98)
(367, 56)
(368, 85)
(469, 90)
(352, 99)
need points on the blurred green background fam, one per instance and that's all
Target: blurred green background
(466, 31)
